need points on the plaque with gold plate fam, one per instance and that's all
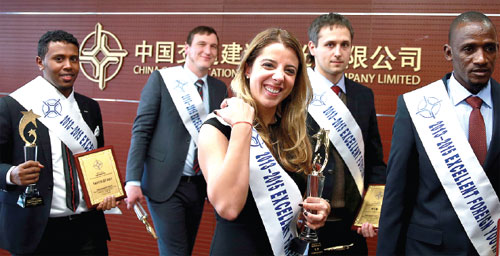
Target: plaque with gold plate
(371, 207)
(99, 175)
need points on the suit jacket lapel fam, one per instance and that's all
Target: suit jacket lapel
(83, 110)
(212, 104)
(43, 133)
(350, 97)
(494, 148)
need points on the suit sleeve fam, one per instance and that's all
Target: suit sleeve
(5, 143)
(374, 155)
(399, 194)
(144, 126)
(100, 138)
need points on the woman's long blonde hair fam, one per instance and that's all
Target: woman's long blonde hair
(288, 140)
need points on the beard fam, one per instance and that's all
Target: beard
(476, 87)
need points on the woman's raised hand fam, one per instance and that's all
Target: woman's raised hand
(235, 110)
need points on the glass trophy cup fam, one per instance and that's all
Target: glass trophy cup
(316, 180)
(31, 196)
(142, 215)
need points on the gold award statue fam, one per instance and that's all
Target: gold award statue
(142, 215)
(31, 196)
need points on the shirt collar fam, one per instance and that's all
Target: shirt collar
(341, 82)
(71, 97)
(192, 78)
(458, 93)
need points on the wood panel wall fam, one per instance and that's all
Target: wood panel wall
(384, 29)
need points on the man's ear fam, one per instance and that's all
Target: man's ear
(39, 63)
(448, 52)
(312, 48)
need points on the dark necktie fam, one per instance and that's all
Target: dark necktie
(199, 86)
(477, 131)
(336, 89)
(70, 177)
(196, 166)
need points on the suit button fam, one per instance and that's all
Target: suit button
(50, 187)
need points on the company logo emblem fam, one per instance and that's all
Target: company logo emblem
(429, 107)
(98, 164)
(318, 100)
(180, 85)
(105, 61)
(257, 141)
(51, 108)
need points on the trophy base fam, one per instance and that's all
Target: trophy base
(315, 248)
(309, 235)
(304, 248)
(30, 198)
(299, 246)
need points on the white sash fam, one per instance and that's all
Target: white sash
(464, 180)
(56, 114)
(276, 195)
(332, 114)
(186, 98)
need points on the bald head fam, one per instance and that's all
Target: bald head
(468, 17)
(472, 49)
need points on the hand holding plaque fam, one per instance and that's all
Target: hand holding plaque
(99, 175)
(371, 207)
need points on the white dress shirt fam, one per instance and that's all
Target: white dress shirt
(458, 94)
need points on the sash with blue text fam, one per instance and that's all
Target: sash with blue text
(462, 176)
(276, 195)
(186, 99)
(332, 114)
(56, 114)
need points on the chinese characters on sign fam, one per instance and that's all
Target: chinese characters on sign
(380, 59)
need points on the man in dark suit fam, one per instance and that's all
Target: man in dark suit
(330, 44)
(162, 158)
(54, 227)
(419, 213)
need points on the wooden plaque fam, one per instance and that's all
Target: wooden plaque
(99, 175)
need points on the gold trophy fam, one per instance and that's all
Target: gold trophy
(142, 215)
(31, 196)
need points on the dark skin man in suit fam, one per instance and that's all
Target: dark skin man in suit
(48, 228)
(417, 215)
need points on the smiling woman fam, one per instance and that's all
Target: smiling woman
(255, 189)
(272, 77)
